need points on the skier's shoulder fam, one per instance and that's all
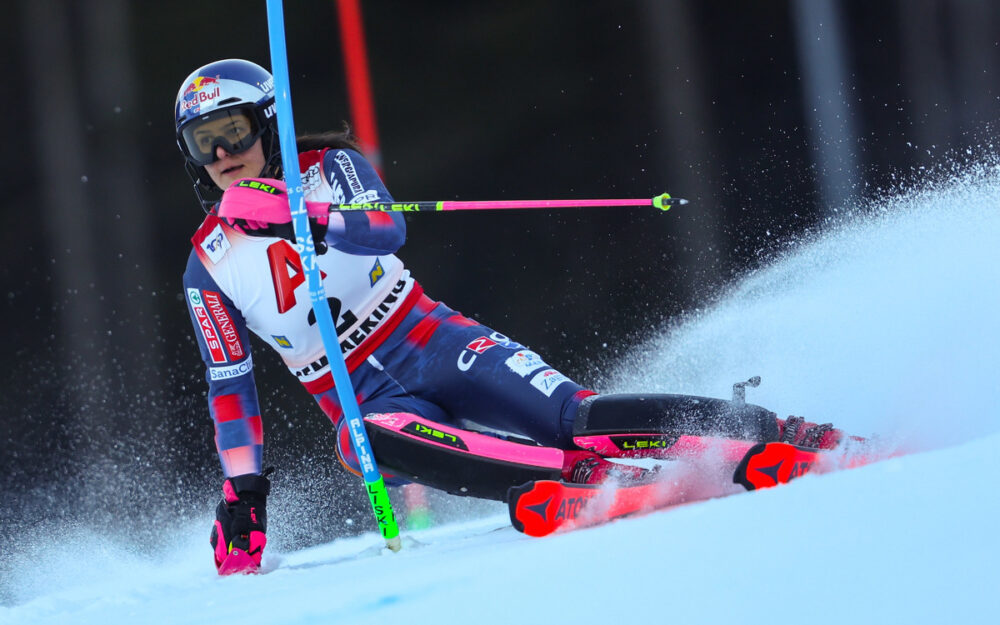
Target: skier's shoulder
(340, 175)
(211, 240)
(348, 160)
(328, 158)
(196, 275)
(193, 266)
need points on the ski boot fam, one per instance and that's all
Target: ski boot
(798, 431)
(586, 467)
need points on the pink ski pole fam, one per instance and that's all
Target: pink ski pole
(662, 202)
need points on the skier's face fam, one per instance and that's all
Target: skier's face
(231, 167)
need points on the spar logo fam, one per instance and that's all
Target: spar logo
(225, 324)
(199, 91)
(208, 332)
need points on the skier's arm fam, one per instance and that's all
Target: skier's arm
(367, 233)
(222, 337)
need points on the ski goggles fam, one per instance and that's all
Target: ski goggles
(235, 130)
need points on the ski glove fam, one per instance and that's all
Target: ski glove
(259, 207)
(240, 531)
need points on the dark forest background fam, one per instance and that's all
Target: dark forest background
(773, 118)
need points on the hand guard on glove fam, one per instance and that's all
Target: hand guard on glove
(259, 207)
(239, 534)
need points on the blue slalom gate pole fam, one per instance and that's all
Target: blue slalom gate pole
(306, 248)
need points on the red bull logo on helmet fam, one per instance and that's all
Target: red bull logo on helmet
(199, 83)
(199, 92)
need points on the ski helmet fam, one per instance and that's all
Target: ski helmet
(233, 89)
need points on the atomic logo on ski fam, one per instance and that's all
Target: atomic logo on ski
(769, 464)
(569, 508)
(771, 472)
(540, 508)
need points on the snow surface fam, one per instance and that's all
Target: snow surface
(886, 324)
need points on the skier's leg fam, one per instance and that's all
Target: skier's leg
(421, 441)
(457, 461)
(466, 372)
(474, 373)
(477, 375)
(409, 447)
(459, 373)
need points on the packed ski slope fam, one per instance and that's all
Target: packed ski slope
(911, 540)
(886, 325)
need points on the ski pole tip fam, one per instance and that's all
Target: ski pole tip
(394, 544)
(664, 201)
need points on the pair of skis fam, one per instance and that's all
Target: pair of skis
(542, 507)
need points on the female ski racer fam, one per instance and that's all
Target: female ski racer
(408, 355)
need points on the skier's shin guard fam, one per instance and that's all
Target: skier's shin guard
(457, 461)
(664, 425)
